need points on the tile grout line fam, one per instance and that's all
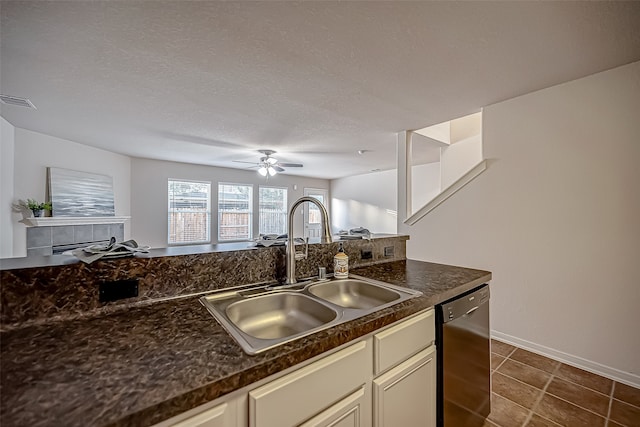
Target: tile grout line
(550, 394)
(501, 363)
(537, 369)
(554, 374)
(626, 403)
(611, 398)
(563, 378)
(613, 387)
(566, 379)
(576, 405)
(539, 399)
(505, 358)
(519, 381)
(583, 386)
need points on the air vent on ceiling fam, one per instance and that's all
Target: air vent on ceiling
(14, 100)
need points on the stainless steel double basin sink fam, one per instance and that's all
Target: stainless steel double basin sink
(261, 317)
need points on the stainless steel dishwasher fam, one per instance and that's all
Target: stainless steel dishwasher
(464, 359)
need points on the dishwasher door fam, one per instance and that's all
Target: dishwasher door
(464, 374)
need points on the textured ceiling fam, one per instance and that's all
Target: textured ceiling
(211, 82)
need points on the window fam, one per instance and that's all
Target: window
(273, 210)
(189, 212)
(235, 205)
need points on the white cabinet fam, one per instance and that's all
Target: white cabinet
(298, 396)
(352, 411)
(385, 380)
(406, 395)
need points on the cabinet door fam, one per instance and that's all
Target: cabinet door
(406, 395)
(352, 411)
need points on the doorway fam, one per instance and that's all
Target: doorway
(312, 215)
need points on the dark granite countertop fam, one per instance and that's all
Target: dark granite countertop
(55, 260)
(147, 364)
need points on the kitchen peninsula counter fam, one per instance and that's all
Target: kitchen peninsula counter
(139, 366)
(58, 260)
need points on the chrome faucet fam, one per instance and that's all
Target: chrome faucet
(291, 245)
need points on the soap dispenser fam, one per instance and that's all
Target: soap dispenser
(341, 264)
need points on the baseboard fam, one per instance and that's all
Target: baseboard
(587, 365)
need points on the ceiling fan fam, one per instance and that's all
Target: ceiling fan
(269, 166)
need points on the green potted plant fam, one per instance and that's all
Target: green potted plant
(37, 207)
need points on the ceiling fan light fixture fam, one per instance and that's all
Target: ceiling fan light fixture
(269, 166)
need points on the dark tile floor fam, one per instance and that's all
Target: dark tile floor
(534, 391)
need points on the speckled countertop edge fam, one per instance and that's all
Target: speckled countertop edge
(139, 367)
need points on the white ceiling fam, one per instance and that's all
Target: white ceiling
(212, 82)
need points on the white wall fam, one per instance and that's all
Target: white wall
(367, 200)
(34, 152)
(458, 159)
(556, 219)
(7, 146)
(425, 184)
(149, 194)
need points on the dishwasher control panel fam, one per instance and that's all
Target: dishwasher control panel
(465, 304)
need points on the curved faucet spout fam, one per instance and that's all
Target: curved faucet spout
(291, 250)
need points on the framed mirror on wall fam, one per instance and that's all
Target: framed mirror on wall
(436, 161)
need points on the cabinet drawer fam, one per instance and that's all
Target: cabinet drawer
(291, 399)
(229, 412)
(221, 416)
(397, 343)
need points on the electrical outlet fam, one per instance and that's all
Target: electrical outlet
(388, 251)
(366, 254)
(118, 289)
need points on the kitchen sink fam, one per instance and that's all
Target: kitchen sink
(279, 315)
(352, 293)
(263, 316)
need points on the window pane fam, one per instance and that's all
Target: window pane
(189, 211)
(234, 211)
(315, 216)
(273, 210)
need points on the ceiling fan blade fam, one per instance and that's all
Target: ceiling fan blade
(290, 165)
(278, 168)
(240, 161)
